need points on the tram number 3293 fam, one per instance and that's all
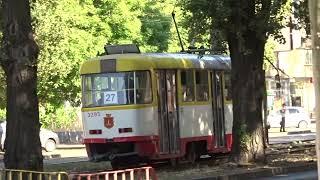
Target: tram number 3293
(93, 114)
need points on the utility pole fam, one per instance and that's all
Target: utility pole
(314, 9)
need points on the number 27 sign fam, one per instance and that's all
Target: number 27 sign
(110, 97)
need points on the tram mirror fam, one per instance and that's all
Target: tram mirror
(278, 85)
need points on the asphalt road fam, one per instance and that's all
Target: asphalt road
(291, 138)
(306, 175)
(292, 134)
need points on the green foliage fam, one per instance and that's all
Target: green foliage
(269, 54)
(63, 118)
(197, 19)
(204, 17)
(246, 26)
(66, 38)
(2, 114)
(301, 15)
(244, 136)
(70, 32)
(3, 99)
(155, 28)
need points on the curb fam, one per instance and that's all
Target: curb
(51, 156)
(70, 146)
(264, 172)
(299, 132)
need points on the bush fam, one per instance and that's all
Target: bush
(64, 117)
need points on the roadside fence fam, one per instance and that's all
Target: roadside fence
(14, 174)
(143, 173)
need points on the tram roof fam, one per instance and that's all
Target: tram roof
(146, 61)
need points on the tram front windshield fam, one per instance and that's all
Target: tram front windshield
(120, 88)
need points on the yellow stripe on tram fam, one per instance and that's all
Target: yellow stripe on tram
(90, 66)
(195, 103)
(119, 107)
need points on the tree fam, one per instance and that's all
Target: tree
(245, 26)
(199, 20)
(301, 15)
(20, 67)
(69, 32)
(155, 28)
(314, 10)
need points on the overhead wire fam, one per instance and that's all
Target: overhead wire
(275, 67)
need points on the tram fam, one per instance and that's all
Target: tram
(156, 106)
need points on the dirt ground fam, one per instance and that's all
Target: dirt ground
(277, 155)
(67, 152)
(81, 152)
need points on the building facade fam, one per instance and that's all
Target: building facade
(296, 80)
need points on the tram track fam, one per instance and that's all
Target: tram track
(272, 150)
(206, 162)
(302, 146)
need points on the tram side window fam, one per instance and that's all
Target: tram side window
(87, 97)
(113, 88)
(143, 87)
(202, 87)
(227, 87)
(117, 89)
(187, 84)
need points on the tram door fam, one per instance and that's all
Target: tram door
(167, 111)
(218, 109)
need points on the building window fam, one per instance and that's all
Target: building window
(308, 60)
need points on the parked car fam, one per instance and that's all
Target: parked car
(48, 139)
(295, 117)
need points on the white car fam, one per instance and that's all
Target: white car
(294, 117)
(48, 139)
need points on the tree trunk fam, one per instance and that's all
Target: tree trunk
(314, 10)
(22, 144)
(247, 93)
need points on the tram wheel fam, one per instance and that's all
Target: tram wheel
(127, 162)
(174, 162)
(115, 164)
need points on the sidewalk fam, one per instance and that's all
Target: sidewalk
(70, 146)
(263, 172)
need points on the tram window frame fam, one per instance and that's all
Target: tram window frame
(86, 86)
(202, 85)
(129, 98)
(187, 83)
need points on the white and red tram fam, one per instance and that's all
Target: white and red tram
(156, 105)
